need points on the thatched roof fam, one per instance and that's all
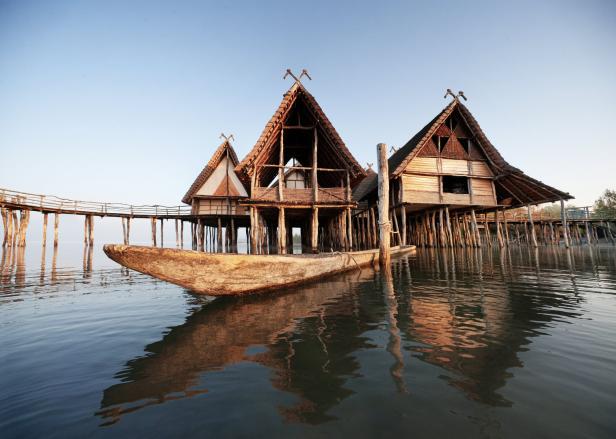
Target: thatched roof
(524, 189)
(271, 133)
(219, 154)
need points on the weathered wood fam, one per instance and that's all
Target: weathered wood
(128, 219)
(162, 228)
(533, 235)
(177, 234)
(228, 275)
(281, 163)
(56, 223)
(314, 230)
(282, 232)
(45, 229)
(349, 223)
(476, 228)
(499, 233)
(181, 233)
(383, 194)
(315, 181)
(563, 218)
(402, 225)
(219, 236)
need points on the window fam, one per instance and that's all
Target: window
(455, 185)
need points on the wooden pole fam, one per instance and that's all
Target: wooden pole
(533, 235)
(499, 233)
(128, 230)
(162, 228)
(45, 229)
(383, 191)
(153, 230)
(476, 228)
(282, 232)
(91, 230)
(219, 236)
(563, 217)
(124, 230)
(314, 232)
(177, 234)
(349, 228)
(281, 164)
(315, 182)
(506, 227)
(253, 227)
(56, 222)
(403, 224)
(181, 233)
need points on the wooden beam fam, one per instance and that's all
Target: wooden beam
(315, 181)
(383, 193)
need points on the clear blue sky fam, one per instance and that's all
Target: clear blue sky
(124, 101)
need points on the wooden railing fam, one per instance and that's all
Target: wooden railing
(53, 204)
(300, 196)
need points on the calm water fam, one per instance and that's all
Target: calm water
(471, 344)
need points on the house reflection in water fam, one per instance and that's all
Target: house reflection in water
(461, 312)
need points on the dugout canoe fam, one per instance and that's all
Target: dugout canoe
(227, 274)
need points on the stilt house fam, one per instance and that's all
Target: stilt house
(215, 198)
(451, 167)
(300, 148)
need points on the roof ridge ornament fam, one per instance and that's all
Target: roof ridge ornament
(455, 97)
(298, 79)
(227, 138)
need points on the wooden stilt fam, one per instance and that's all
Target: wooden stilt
(532, 227)
(499, 233)
(153, 227)
(177, 234)
(181, 233)
(45, 229)
(124, 230)
(476, 228)
(56, 222)
(219, 236)
(314, 230)
(563, 217)
(162, 229)
(506, 228)
(383, 193)
(282, 232)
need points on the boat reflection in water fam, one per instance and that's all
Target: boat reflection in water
(470, 313)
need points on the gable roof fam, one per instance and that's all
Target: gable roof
(272, 128)
(524, 189)
(219, 154)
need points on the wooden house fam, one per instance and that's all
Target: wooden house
(214, 197)
(300, 147)
(450, 166)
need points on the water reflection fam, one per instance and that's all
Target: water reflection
(468, 312)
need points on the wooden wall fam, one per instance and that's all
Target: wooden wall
(422, 182)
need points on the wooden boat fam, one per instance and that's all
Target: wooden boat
(217, 274)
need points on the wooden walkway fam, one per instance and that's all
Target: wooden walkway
(15, 200)
(15, 208)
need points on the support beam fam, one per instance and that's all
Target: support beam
(45, 229)
(282, 232)
(314, 233)
(383, 191)
(281, 164)
(533, 235)
(403, 225)
(56, 223)
(563, 217)
(315, 182)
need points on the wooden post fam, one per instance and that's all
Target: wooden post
(563, 216)
(253, 227)
(177, 234)
(219, 236)
(281, 168)
(23, 227)
(56, 222)
(15, 228)
(45, 229)
(533, 235)
(383, 191)
(403, 225)
(91, 230)
(476, 228)
(282, 232)
(181, 233)
(86, 220)
(349, 228)
(499, 233)
(315, 181)
(128, 230)
(162, 227)
(314, 231)
(506, 227)
(123, 230)
(153, 230)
